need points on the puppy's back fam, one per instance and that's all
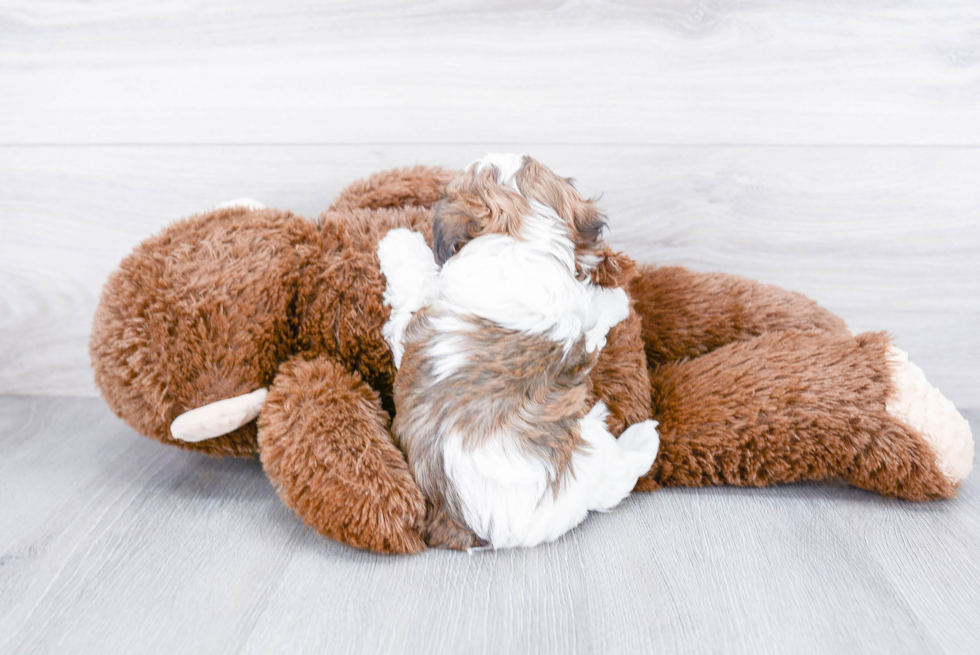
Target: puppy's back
(505, 401)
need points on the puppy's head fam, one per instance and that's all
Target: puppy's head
(502, 194)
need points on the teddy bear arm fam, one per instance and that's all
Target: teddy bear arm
(324, 442)
(688, 314)
(420, 186)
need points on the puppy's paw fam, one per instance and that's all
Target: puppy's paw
(612, 307)
(629, 458)
(406, 260)
(642, 442)
(443, 531)
(409, 268)
(411, 276)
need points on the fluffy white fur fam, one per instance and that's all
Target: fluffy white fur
(506, 497)
(508, 165)
(411, 274)
(528, 285)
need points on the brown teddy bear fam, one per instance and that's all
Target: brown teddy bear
(751, 384)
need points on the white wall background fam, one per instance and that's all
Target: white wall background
(831, 147)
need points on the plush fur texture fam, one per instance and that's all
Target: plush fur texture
(352, 484)
(752, 385)
(687, 314)
(815, 411)
(203, 312)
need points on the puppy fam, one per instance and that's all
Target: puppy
(494, 349)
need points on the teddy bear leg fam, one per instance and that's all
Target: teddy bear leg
(324, 442)
(811, 405)
(688, 314)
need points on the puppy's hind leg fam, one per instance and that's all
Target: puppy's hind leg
(619, 462)
(443, 531)
(601, 475)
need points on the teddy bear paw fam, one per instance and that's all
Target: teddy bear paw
(923, 408)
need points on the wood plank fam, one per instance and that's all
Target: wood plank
(110, 543)
(766, 72)
(886, 237)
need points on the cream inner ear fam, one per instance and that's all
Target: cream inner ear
(218, 418)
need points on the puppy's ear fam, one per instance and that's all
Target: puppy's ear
(584, 219)
(473, 205)
(451, 229)
(501, 208)
(588, 222)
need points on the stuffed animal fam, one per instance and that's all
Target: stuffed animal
(249, 331)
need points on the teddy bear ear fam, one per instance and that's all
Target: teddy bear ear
(538, 182)
(218, 418)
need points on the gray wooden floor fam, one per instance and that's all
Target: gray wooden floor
(115, 544)
(832, 148)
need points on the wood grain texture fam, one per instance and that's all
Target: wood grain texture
(886, 237)
(628, 71)
(110, 543)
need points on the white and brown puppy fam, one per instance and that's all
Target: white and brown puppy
(493, 403)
